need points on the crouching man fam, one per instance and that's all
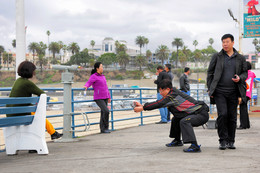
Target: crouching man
(187, 111)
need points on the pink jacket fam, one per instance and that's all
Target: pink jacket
(99, 84)
(249, 82)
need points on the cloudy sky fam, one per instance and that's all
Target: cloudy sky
(159, 20)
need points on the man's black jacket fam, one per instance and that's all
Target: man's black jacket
(178, 103)
(184, 83)
(216, 68)
(162, 75)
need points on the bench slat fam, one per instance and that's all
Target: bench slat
(16, 121)
(19, 100)
(17, 110)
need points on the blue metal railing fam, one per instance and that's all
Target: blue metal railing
(199, 94)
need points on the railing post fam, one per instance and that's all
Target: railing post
(258, 93)
(72, 116)
(67, 80)
(112, 110)
(141, 113)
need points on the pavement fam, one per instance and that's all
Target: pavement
(142, 149)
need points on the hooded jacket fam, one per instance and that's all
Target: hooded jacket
(99, 85)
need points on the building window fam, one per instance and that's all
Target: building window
(253, 57)
(111, 48)
(106, 47)
(246, 56)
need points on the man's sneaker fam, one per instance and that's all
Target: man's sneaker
(231, 145)
(223, 145)
(192, 149)
(56, 135)
(174, 143)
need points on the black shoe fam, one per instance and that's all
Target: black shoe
(223, 145)
(174, 143)
(231, 145)
(32, 151)
(105, 131)
(161, 122)
(240, 128)
(192, 149)
(56, 135)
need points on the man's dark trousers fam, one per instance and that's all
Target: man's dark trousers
(226, 103)
(244, 119)
(185, 126)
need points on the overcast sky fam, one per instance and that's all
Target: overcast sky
(159, 20)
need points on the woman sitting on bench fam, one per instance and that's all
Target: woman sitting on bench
(23, 87)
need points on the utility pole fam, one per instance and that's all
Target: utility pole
(240, 23)
(20, 34)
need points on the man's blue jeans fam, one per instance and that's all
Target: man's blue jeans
(163, 111)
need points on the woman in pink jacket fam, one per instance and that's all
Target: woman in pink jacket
(101, 94)
(244, 118)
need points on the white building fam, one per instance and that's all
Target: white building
(108, 46)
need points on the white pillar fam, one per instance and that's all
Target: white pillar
(20, 34)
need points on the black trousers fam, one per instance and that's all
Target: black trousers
(185, 126)
(104, 116)
(226, 103)
(244, 118)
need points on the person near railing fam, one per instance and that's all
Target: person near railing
(101, 94)
(23, 87)
(167, 68)
(244, 118)
(226, 76)
(187, 111)
(184, 81)
(161, 76)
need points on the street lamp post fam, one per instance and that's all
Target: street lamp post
(239, 24)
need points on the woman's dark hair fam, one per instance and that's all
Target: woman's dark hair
(165, 83)
(249, 66)
(96, 65)
(26, 69)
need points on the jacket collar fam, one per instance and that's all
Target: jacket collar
(222, 52)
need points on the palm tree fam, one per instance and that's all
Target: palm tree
(146, 41)
(195, 43)
(211, 41)
(2, 49)
(140, 61)
(33, 48)
(255, 42)
(92, 43)
(60, 46)
(178, 43)
(148, 54)
(140, 41)
(54, 47)
(64, 49)
(74, 48)
(14, 43)
(123, 59)
(162, 52)
(48, 34)
(41, 53)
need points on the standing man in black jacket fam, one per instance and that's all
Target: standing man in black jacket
(184, 81)
(161, 76)
(227, 73)
(187, 111)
